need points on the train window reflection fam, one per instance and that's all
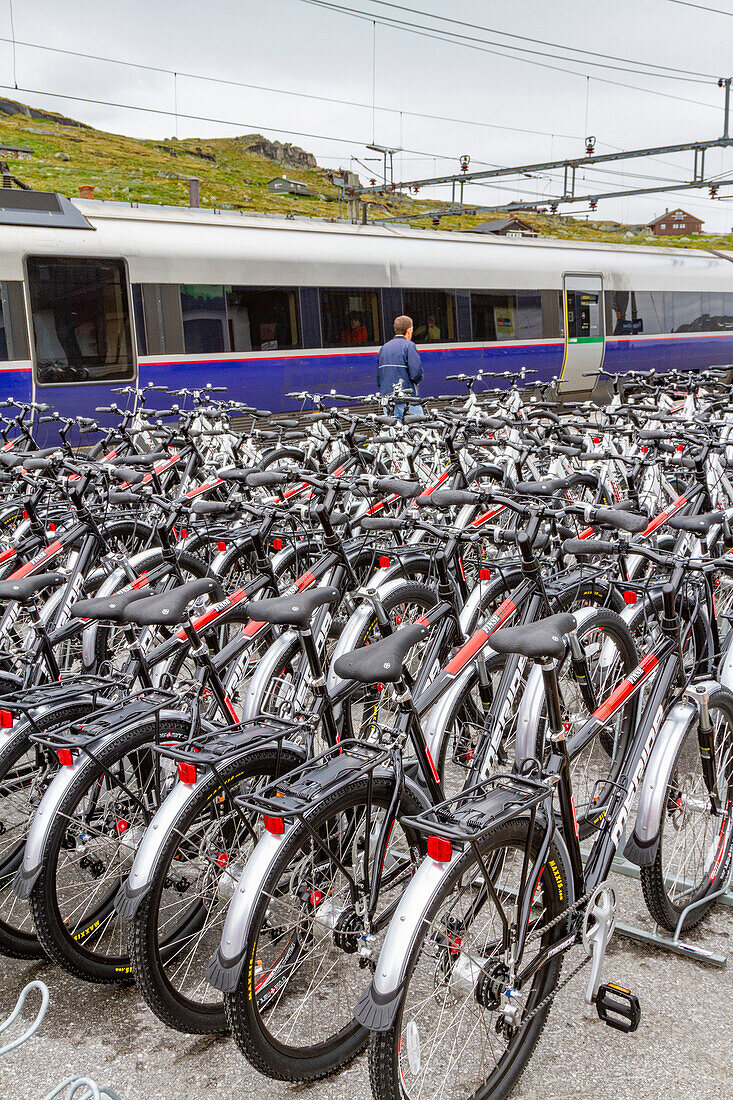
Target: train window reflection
(433, 315)
(507, 315)
(349, 317)
(13, 328)
(262, 318)
(81, 320)
(204, 312)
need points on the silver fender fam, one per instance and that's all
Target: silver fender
(140, 879)
(272, 658)
(725, 670)
(377, 1008)
(43, 819)
(530, 706)
(45, 815)
(641, 847)
(226, 965)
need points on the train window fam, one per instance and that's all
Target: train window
(13, 327)
(350, 317)
(719, 310)
(139, 311)
(81, 320)
(205, 328)
(433, 313)
(498, 315)
(262, 318)
(684, 311)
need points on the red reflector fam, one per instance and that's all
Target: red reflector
(630, 597)
(680, 446)
(315, 898)
(484, 574)
(186, 772)
(277, 544)
(383, 561)
(644, 450)
(439, 849)
(25, 514)
(65, 757)
(6, 719)
(122, 826)
(274, 825)
(596, 439)
(221, 546)
(222, 859)
(52, 526)
(183, 533)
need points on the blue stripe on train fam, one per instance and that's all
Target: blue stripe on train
(264, 382)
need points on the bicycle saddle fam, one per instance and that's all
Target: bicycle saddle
(700, 525)
(544, 488)
(380, 662)
(297, 610)
(24, 588)
(543, 638)
(168, 607)
(112, 608)
(148, 459)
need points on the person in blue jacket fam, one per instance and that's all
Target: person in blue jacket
(399, 361)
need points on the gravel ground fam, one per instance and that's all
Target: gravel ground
(683, 1048)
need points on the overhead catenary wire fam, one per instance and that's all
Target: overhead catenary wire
(177, 73)
(499, 50)
(538, 41)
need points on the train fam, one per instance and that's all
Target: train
(95, 295)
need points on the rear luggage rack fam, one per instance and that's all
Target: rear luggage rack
(304, 787)
(210, 750)
(115, 715)
(470, 815)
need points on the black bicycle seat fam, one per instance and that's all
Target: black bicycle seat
(24, 588)
(112, 608)
(380, 662)
(297, 610)
(543, 488)
(169, 607)
(543, 638)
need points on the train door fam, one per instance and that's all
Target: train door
(583, 325)
(81, 328)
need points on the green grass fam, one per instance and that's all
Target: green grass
(136, 170)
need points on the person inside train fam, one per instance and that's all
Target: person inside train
(399, 362)
(428, 332)
(355, 331)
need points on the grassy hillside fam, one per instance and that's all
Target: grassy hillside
(233, 175)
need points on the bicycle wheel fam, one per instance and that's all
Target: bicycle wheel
(89, 850)
(178, 924)
(25, 772)
(449, 1037)
(694, 841)
(292, 1012)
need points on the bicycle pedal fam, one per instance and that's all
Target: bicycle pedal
(618, 1007)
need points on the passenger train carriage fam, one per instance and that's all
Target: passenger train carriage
(98, 294)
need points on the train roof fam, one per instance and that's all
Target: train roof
(176, 244)
(96, 209)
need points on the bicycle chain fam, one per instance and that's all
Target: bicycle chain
(540, 932)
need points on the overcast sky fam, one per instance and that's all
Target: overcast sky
(505, 110)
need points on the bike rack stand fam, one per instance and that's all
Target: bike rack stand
(661, 938)
(75, 1087)
(658, 937)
